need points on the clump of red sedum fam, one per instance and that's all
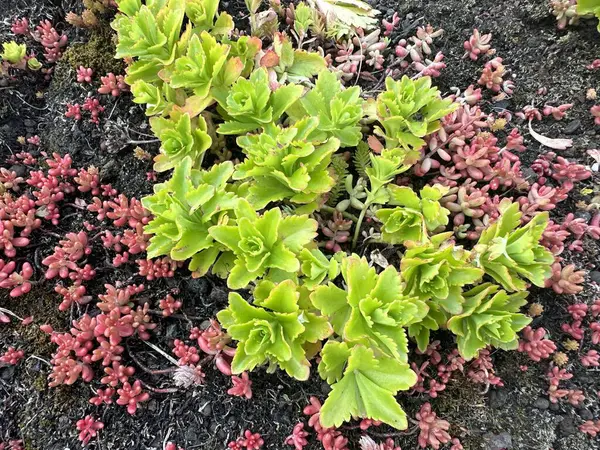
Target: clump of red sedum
(113, 84)
(242, 386)
(434, 431)
(88, 428)
(132, 395)
(12, 356)
(250, 441)
(535, 344)
(84, 75)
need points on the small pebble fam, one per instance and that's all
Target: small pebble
(541, 403)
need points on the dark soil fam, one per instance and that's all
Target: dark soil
(513, 417)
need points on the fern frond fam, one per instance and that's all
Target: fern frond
(340, 170)
(362, 158)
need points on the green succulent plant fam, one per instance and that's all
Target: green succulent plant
(149, 32)
(408, 110)
(381, 172)
(383, 169)
(202, 65)
(338, 110)
(180, 137)
(250, 104)
(490, 317)
(287, 64)
(436, 271)
(302, 19)
(274, 330)
(205, 17)
(316, 267)
(372, 310)
(245, 48)
(414, 217)
(263, 243)
(159, 98)
(365, 385)
(283, 163)
(184, 208)
(510, 253)
(12, 52)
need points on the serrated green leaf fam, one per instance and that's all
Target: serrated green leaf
(367, 390)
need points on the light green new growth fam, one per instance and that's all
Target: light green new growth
(338, 110)
(316, 267)
(287, 64)
(205, 17)
(511, 253)
(302, 19)
(414, 217)
(436, 272)
(284, 163)
(274, 330)
(13, 52)
(180, 138)
(198, 70)
(408, 111)
(250, 104)
(262, 244)
(184, 208)
(372, 310)
(150, 33)
(490, 317)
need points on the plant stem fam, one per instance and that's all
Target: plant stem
(160, 390)
(10, 313)
(358, 224)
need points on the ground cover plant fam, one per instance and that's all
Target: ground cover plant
(284, 195)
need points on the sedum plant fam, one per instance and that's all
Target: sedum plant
(490, 317)
(369, 365)
(339, 111)
(316, 267)
(184, 208)
(303, 19)
(149, 32)
(408, 110)
(274, 330)
(181, 137)
(510, 253)
(245, 48)
(205, 65)
(436, 272)
(414, 217)
(364, 385)
(284, 163)
(263, 245)
(204, 16)
(372, 310)
(13, 53)
(381, 172)
(284, 63)
(183, 58)
(250, 104)
(159, 98)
